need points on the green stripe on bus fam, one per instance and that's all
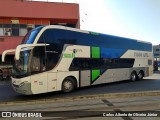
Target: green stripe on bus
(65, 55)
(95, 74)
(94, 33)
(95, 52)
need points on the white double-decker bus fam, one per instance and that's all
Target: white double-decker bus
(53, 58)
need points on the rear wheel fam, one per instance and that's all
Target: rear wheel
(140, 75)
(68, 85)
(133, 76)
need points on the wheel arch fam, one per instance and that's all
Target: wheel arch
(142, 71)
(134, 71)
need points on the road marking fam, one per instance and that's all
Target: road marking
(115, 110)
(124, 118)
(107, 102)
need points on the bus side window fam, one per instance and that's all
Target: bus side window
(75, 64)
(38, 62)
(52, 54)
(80, 64)
(52, 60)
(95, 63)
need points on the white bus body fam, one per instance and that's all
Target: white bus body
(53, 58)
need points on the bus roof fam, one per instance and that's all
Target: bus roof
(91, 32)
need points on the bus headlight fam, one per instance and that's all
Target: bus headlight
(23, 83)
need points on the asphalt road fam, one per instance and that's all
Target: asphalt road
(149, 84)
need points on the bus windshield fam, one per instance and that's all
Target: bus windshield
(30, 62)
(21, 66)
(30, 36)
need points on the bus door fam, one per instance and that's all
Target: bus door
(52, 81)
(38, 70)
(52, 56)
(39, 83)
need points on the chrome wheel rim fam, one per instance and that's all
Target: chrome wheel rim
(68, 85)
(140, 75)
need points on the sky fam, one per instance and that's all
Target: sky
(136, 19)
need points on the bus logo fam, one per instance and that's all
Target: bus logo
(6, 114)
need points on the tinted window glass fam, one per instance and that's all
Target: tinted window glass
(52, 54)
(38, 62)
(44, 58)
(57, 36)
(100, 63)
(30, 37)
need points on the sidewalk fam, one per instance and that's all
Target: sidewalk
(157, 72)
(91, 108)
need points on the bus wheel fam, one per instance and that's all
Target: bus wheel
(140, 75)
(133, 76)
(68, 85)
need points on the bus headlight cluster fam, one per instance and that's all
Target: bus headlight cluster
(23, 83)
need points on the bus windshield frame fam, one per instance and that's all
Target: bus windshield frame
(21, 66)
(36, 60)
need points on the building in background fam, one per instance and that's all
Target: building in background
(17, 17)
(156, 53)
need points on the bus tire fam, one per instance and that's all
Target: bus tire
(133, 76)
(68, 85)
(140, 75)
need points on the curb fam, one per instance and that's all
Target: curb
(87, 97)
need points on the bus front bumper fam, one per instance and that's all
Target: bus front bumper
(23, 88)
